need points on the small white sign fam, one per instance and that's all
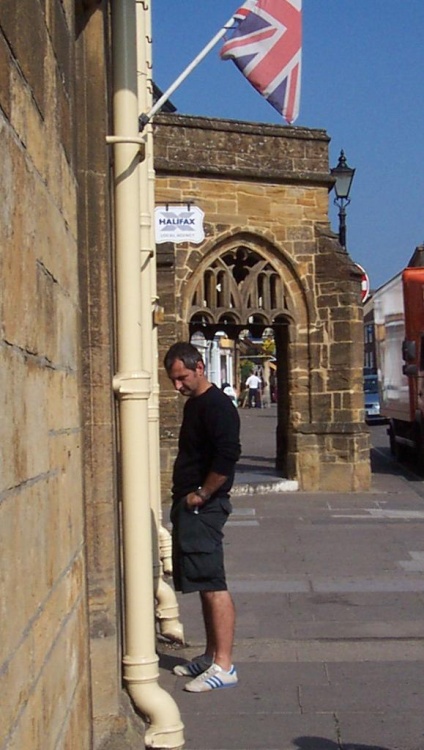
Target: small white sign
(179, 224)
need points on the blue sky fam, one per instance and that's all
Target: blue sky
(362, 82)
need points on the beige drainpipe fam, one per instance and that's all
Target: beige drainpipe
(166, 603)
(132, 387)
(164, 536)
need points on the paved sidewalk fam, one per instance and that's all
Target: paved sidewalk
(256, 471)
(329, 591)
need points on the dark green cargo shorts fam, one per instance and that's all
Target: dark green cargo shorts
(197, 552)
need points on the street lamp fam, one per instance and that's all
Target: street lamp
(344, 178)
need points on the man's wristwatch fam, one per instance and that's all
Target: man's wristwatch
(200, 492)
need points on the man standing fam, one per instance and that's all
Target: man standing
(253, 383)
(208, 449)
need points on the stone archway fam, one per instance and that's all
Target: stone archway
(245, 284)
(265, 188)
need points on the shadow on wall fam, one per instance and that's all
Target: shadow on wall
(320, 743)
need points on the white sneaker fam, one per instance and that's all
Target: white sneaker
(213, 678)
(194, 667)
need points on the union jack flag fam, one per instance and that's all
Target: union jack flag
(266, 45)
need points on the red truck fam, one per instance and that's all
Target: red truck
(399, 329)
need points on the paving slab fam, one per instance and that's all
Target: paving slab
(227, 730)
(388, 731)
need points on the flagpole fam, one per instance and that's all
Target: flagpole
(145, 118)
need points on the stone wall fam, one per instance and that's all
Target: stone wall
(61, 644)
(44, 647)
(266, 187)
(95, 243)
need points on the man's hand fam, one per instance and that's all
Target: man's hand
(193, 500)
(211, 484)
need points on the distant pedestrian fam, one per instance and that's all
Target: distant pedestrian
(208, 449)
(253, 383)
(230, 392)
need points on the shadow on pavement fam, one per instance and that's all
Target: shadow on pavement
(383, 464)
(320, 743)
(168, 661)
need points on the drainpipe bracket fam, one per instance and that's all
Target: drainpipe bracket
(138, 140)
(135, 385)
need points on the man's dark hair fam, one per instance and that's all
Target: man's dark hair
(186, 352)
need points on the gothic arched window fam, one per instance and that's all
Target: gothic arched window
(240, 280)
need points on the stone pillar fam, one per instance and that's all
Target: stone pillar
(332, 449)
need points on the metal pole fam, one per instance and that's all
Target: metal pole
(145, 118)
(342, 225)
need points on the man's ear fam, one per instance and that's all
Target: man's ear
(200, 367)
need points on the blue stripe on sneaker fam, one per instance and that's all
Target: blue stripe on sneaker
(214, 682)
(195, 668)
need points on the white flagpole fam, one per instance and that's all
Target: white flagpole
(145, 118)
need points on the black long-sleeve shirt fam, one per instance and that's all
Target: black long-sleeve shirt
(209, 441)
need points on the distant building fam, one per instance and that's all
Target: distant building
(370, 356)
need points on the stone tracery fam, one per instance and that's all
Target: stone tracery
(238, 286)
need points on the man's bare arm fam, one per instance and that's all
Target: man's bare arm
(211, 484)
